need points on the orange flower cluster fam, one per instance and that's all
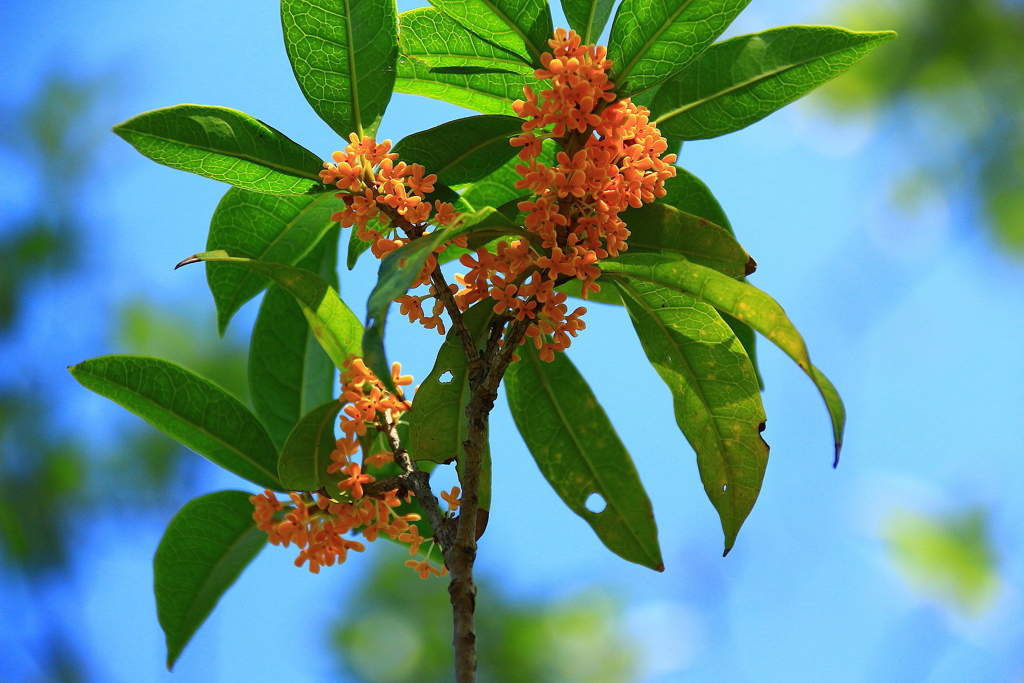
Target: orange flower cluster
(370, 176)
(615, 163)
(368, 401)
(317, 523)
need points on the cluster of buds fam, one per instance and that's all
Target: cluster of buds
(318, 522)
(611, 160)
(373, 182)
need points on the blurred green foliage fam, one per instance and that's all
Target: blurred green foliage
(50, 482)
(44, 135)
(952, 89)
(948, 558)
(579, 640)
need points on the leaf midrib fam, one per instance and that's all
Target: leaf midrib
(748, 82)
(353, 78)
(522, 69)
(624, 74)
(190, 614)
(203, 430)
(535, 361)
(804, 364)
(249, 273)
(455, 86)
(699, 390)
(469, 152)
(508, 22)
(295, 173)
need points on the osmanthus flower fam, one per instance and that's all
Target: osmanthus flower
(617, 163)
(452, 498)
(318, 522)
(370, 178)
(572, 221)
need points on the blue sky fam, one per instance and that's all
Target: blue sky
(914, 317)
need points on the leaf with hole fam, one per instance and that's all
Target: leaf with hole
(289, 372)
(464, 150)
(266, 228)
(437, 422)
(343, 55)
(740, 81)
(225, 145)
(191, 410)
(650, 41)
(714, 393)
(400, 268)
(578, 452)
(203, 551)
(747, 304)
(335, 326)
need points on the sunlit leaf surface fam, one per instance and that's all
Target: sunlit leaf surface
(714, 392)
(193, 411)
(225, 145)
(740, 81)
(266, 228)
(204, 550)
(343, 55)
(578, 452)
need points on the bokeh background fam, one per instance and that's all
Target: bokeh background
(886, 213)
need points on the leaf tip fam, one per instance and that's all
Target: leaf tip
(750, 267)
(726, 551)
(190, 260)
(835, 462)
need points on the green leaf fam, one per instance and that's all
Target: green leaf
(740, 81)
(499, 188)
(485, 93)
(522, 27)
(747, 304)
(356, 248)
(650, 41)
(430, 36)
(689, 194)
(660, 228)
(400, 268)
(204, 550)
(307, 452)
(226, 145)
(579, 453)
(343, 54)
(749, 341)
(335, 326)
(463, 150)
(588, 17)
(607, 295)
(193, 411)
(289, 372)
(264, 227)
(437, 422)
(714, 392)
